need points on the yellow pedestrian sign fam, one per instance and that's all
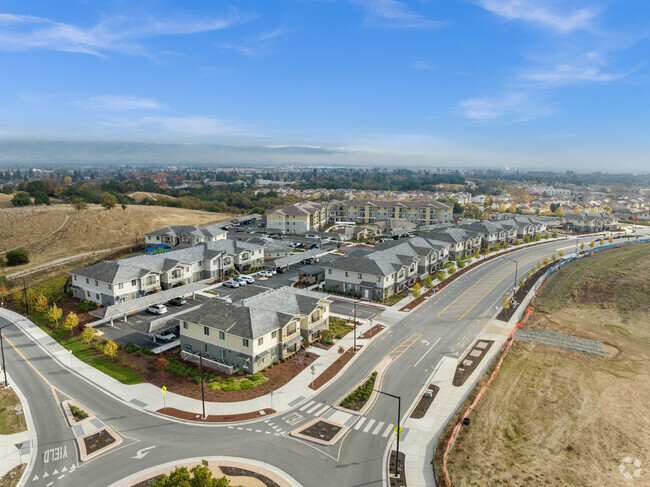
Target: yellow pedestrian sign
(163, 390)
(397, 430)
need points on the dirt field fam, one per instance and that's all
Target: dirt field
(59, 231)
(561, 418)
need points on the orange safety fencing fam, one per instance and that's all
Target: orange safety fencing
(507, 343)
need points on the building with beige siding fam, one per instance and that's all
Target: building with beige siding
(298, 218)
(420, 212)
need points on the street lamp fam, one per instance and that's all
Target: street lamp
(354, 349)
(397, 428)
(25, 296)
(2, 348)
(202, 388)
(514, 285)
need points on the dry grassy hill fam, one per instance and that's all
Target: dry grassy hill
(138, 196)
(59, 231)
(5, 200)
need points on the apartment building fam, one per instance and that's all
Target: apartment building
(262, 327)
(421, 212)
(298, 218)
(186, 235)
(110, 282)
(590, 222)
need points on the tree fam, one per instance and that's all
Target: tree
(21, 199)
(199, 476)
(560, 253)
(502, 208)
(87, 334)
(512, 208)
(610, 239)
(18, 295)
(517, 241)
(607, 209)
(592, 244)
(70, 321)
(123, 206)
(440, 276)
(473, 211)
(110, 349)
(54, 314)
(17, 257)
(554, 257)
(3, 289)
(529, 275)
(540, 265)
(41, 198)
(554, 234)
(582, 246)
(108, 200)
(577, 210)
(428, 282)
(79, 204)
(526, 239)
(546, 261)
(451, 270)
(559, 211)
(417, 290)
(497, 247)
(41, 303)
(505, 244)
(602, 241)
(67, 180)
(7, 189)
(538, 237)
(506, 302)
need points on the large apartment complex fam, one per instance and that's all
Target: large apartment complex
(186, 235)
(420, 212)
(255, 328)
(298, 218)
(110, 282)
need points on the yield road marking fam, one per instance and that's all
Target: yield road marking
(425, 353)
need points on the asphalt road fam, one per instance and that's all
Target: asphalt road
(445, 324)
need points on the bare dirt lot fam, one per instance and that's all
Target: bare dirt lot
(59, 231)
(560, 418)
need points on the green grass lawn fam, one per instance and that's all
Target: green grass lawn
(9, 421)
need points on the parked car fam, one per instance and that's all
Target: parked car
(177, 301)
(165, 337)
(241, 281)
(265, 273)
(281, 270)
(248, 279)
(231, 283)
(157, 309)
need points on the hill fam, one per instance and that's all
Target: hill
(138, 196)
(56, 232)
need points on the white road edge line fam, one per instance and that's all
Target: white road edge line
(425, 353)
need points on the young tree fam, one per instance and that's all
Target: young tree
(108, 200)
(31, 297)
(554, 257)
(506, 302)
(546, 261)
(522, 282)
(18, 295)
(460, 263)
(577, 210)
(110, 349)
(17, 257)
(540, 265)
(538, 237)
(451, 270)
(529, 275)
(592, 244)
(560, 253)
(526, 239)
(54, 314)
(559, 211)
(582, 246)
(554, 234)
(87, 334)
(602, 241)
(440, 276)
(505, 245)
(610, 239)
(79, 204)
(428, 282)
(417, 290)
(41, 303)
(517, 241)
(497, 247)
(70, 321)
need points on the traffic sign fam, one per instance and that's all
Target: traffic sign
(397, 430)
(163, 390)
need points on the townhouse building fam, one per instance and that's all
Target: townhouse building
(421, 212)
(255, 330)
(298, 218)
(590, 222)
(186, 235)
(110, 282)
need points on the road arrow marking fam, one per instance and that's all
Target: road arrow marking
(55, 472)
(36, 477)
(46, 475)
(425, 342)
(141, 453)
(64, 469)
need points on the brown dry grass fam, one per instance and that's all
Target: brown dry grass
(5, 200)
(59, 231)
(138, 196)
(560, 418)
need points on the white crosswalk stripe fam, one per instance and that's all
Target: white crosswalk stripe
(322, 410)
(305, 406)
(359, 423)
(314, 408)
(369, 425)
(379, 426)
(387, 431)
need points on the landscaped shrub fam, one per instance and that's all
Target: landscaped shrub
(78, 413)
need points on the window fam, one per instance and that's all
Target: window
(359, 276)
(244, 342)
(274, 334)
(260, 340)
(222, 335)
(347, 274)
(185, 325)
(223, 353)
(329, 271)
(87, 281)
(379, 279)
(75, 277)
(120, 285)
(134, 282)
(207, 348)
(96, 283)
(274, 352)
(206, 330)
(97, 296)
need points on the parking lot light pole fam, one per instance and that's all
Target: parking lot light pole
(2, 349)
(397, 428)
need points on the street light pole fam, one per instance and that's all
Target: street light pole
(355, 328)
(25, 296)
(397, 428)
(2, 349)
(514, 285)
(202, 390)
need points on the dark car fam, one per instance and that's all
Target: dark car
(177, 301)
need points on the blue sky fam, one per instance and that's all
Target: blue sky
(519, 83)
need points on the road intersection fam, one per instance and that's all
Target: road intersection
(445, 324)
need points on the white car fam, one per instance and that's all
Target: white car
(231, 283)
(241, 281)
(265, 273)
(165, 337)
(248, 279)
(157, 309)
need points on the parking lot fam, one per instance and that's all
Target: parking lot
(136, 329)
(345, 307)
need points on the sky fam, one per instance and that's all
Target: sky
(556, 84)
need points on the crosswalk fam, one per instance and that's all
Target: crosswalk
(374, 427)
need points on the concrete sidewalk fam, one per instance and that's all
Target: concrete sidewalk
(149, 397)
(10, 457)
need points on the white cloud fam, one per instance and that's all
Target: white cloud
(422, 65)
(564, 74)
(119, 102)
(393, 14)
(248, 51)
(118, 34)
(194, 126)
(512, 107)
(537, 12)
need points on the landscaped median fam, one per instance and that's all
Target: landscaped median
(360, 398)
